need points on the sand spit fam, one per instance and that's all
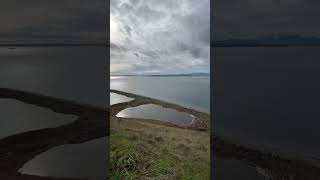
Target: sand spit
(201, 120)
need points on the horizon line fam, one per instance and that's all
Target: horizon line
(158, 74)
(53, 44)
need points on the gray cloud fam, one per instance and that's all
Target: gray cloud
(151, 36)
(250, 18)
(51, 20)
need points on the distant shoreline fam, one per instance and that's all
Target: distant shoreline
(54, 45)
(163, 75)
(264, 45)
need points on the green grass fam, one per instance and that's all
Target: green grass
(163, 163)
(148, 151)
(196, 169)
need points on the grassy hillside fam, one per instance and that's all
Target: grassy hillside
(144, 150)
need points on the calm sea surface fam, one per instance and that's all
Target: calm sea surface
(74, 73)
(269, 96)
(193, 92)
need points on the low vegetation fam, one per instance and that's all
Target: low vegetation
(144, 150)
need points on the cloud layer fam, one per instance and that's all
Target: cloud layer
(53, 21)
(159, 37)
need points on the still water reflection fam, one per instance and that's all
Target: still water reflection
(73, 73)
(18, 117)
(151, 111)
(117, 98)
(85, 161)
(269, 97)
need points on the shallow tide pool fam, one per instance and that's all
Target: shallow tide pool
(156, 112)
(88, 160)
(18, 117)
(117, 98)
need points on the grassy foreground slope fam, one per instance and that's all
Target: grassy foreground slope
(145, 150)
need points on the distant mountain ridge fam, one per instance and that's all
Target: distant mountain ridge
(273, 40)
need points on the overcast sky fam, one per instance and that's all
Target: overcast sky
(251, 18)
(30, 21)
(159, 36)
